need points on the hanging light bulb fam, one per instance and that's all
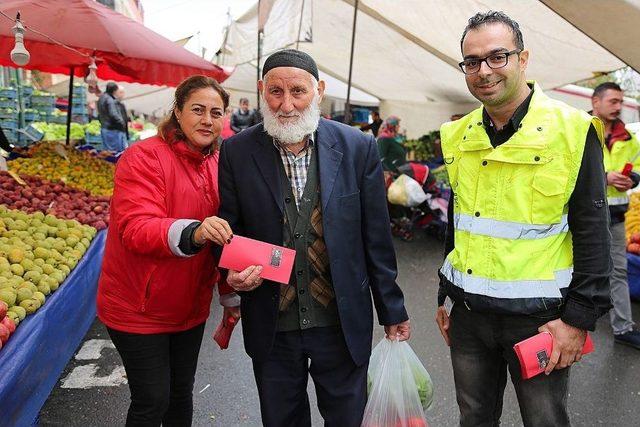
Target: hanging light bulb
(92, 77)
(19, 55)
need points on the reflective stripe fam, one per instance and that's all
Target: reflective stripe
(508, 230)
(613, 201)
(508, 288)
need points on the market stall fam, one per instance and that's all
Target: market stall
(54, 202)
(43, 343)
(632, 229)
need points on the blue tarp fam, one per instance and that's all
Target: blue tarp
(35, 355)
(633, 273)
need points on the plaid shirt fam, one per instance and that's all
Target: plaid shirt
(296, 166)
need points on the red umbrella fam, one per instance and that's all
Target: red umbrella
(125, 50)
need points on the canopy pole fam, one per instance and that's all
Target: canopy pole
(258, 64)
(347, 106)
(70, 107)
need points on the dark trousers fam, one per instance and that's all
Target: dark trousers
(481, 352)
(160, 369)
(341, 386)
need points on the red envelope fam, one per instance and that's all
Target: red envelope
(242, 252)
(534, 353)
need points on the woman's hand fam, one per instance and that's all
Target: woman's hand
(214, 229)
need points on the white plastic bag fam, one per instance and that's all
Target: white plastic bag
(406, 191)
(400, 388)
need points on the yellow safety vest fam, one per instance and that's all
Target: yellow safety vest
(614, 160)
(512, 238)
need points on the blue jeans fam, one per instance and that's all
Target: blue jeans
(481, 354)
(114, 140)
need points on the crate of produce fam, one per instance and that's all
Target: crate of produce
(8, 103)
(30, 134)
(80, 118)
(8, 114)
(8, 92)
(93, 139)
(57, 118)
(80, 109)
(27, 90)
(47, 100)
(44, 109)
(11, 135)
(79, 90)
(79, 99)
(9, 124)
(31, 116)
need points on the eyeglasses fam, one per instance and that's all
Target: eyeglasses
(495, 60)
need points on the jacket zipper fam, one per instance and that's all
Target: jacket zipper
(147, 291)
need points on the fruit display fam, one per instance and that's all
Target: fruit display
(37, 253)
(54, 198)
(73, 167)
(58, 132)
(632, 224)
(93, 128)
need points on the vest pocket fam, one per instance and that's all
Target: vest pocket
(548, 199)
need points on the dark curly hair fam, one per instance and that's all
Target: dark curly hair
(492, 17)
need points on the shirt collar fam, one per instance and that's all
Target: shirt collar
(516, 118)
(309, 139)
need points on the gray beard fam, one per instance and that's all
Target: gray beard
(294, 132)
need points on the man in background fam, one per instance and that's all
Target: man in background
(374, 126)
(621, 147)
(243, 118)
(113, 123)
(123, 112)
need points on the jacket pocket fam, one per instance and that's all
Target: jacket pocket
(146, 296)
(548, 199)
(349, 206)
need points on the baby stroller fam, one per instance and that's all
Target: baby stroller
(430, 215)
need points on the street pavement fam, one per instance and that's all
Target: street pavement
(605, 386)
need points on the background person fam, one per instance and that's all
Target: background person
(375, 124)
(392, 152)
(158, 271)
(113, 125)
(620, 147)
(243, 118)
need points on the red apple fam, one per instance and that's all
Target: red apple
(4, 333)
(9, 324)
(3, 309)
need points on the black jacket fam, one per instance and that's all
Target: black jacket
(110, 114)
(356, 230)
(240, 121)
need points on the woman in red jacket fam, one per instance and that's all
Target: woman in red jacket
(159, 270)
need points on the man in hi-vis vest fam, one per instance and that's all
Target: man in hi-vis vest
(621, 162)
(527, 248)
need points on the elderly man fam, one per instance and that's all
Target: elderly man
(315, 186)
(528, 244)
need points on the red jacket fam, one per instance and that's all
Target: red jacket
(144, 288)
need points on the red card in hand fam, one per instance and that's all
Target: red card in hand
(242, 252)
(534, 353)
